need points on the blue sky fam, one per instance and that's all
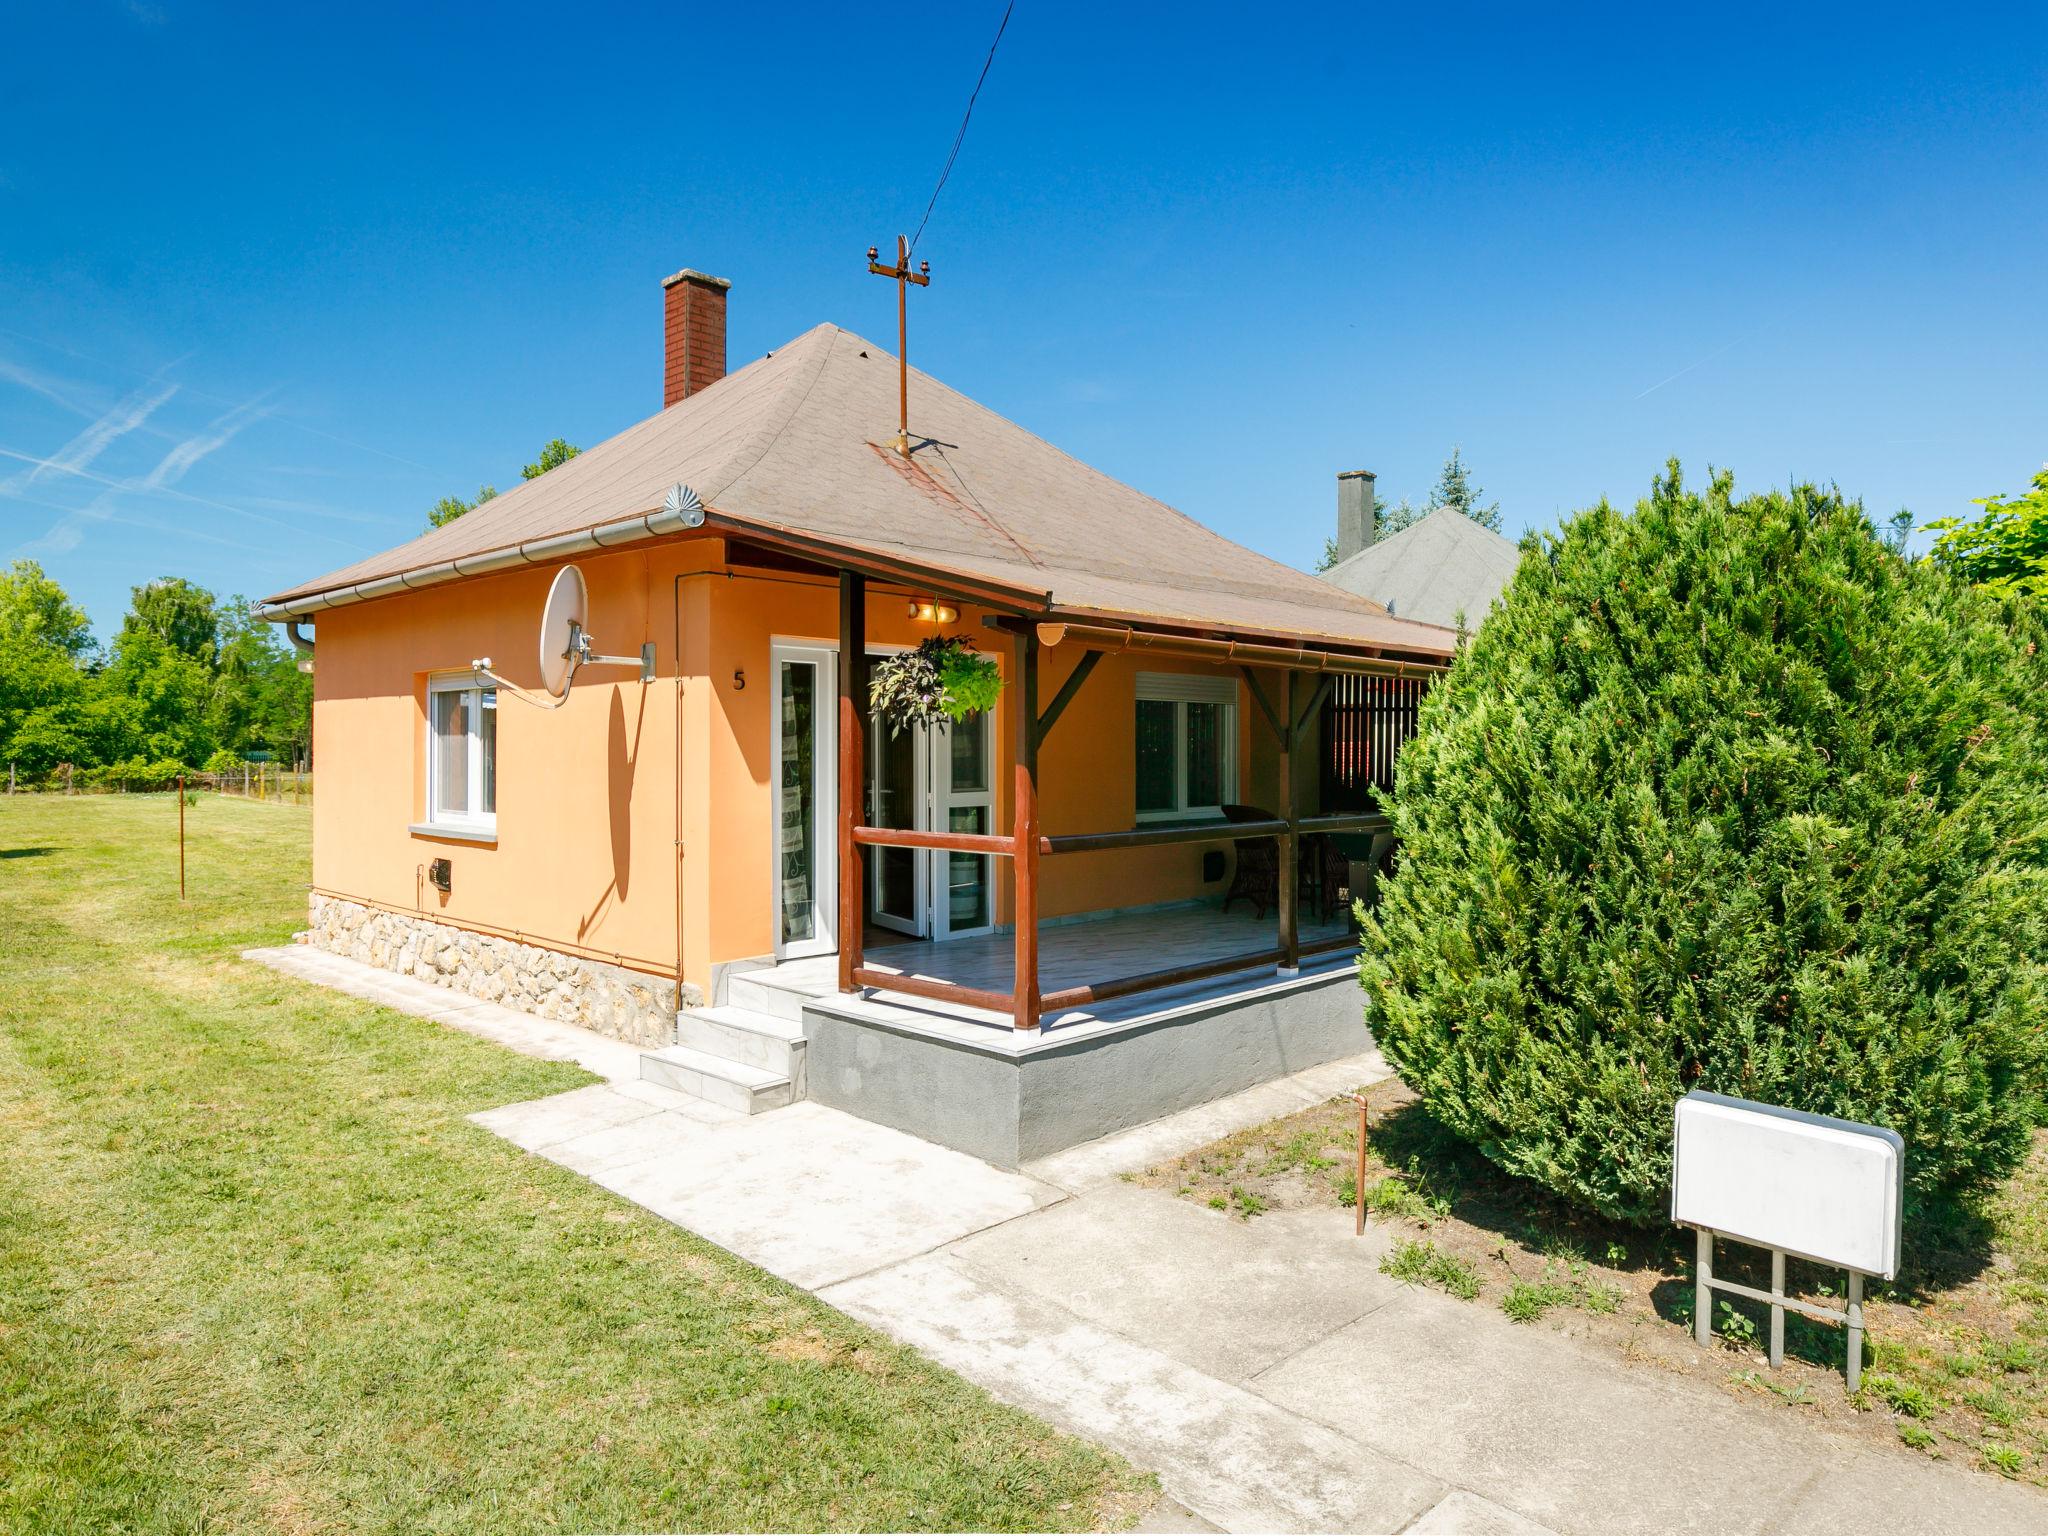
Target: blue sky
(273, 279)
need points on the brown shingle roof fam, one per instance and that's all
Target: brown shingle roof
(800, 443)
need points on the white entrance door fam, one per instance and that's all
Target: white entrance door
(963, 800)
(931, 779)
(803, 752)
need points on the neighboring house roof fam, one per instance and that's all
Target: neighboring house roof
(799, 444)
(1432, 570)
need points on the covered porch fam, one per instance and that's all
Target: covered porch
(1040, 974)
(1170, 953)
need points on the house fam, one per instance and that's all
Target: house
(1005, 934)
(1443, 568)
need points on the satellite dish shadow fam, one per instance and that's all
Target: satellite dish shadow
(622, 760)
(619, 765)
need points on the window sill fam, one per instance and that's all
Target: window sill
(486, 836)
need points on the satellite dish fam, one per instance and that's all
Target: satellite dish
(562, 625)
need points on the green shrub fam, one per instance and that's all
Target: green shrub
(1724, 795)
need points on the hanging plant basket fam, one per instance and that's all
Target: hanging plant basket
(944, 679)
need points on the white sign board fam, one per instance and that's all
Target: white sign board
(1808, 1185)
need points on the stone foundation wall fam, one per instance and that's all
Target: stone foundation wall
(626, 1005)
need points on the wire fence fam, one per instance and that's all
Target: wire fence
(270, 783)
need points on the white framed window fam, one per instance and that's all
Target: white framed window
(1187, 745)
(462, 754)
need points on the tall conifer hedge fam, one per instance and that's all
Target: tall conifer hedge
(1726, 795)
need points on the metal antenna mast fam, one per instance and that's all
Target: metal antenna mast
(904, 278)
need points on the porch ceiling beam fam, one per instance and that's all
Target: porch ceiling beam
(873, 562)
(1065, 696)
(1101, 637)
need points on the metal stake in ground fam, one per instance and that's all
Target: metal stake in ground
(1358, 1179)
(904, 276)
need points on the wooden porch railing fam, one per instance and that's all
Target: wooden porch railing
(1026, 843)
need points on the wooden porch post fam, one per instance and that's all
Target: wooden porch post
(1024, 746)
(1290, 844)
(853, 719)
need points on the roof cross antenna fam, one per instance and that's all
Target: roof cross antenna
(904, 277)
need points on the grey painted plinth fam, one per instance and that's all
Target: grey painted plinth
(1008, 1100)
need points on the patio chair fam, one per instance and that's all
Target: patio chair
(1257, 876)
(1325, 871)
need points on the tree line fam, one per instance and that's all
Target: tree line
(191, 681)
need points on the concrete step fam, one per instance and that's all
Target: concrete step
(733, 1084)
(759, 993)
(747, 1036)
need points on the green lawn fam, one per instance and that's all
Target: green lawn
(258, 1272)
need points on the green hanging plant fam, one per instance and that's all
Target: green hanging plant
(944, 679)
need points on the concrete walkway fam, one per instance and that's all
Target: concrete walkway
(1269, 1374)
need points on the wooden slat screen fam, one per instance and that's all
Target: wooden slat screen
(1364, 722)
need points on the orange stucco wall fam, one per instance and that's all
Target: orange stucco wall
(589, 812)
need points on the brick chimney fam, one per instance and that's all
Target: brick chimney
(693, 334)
(1354, 511)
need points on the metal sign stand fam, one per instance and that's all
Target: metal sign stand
(1704, 1286)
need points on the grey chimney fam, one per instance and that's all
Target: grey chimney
(1354, 512)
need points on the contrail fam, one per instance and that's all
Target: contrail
(1688, 368)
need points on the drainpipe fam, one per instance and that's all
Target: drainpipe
(300, 644)
(678, 781)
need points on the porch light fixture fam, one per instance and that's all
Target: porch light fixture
(932, 612)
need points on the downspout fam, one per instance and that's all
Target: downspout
(300, 643)
(677, 594)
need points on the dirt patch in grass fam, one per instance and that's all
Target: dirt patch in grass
(1956, 1364)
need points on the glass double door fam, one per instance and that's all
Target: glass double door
(936, 778)
(931, 778)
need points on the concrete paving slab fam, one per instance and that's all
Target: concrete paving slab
(1230, 1456)
(1171, 1518)
(522, 1032)
(1102, 1160)
(665, 1136)
(1569, 1437)
(816, 1196)
(1907, 1496)
(1153, 1269)
(1466, 1514)
(542, 1123)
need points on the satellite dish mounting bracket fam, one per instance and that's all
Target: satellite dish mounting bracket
(566, 646)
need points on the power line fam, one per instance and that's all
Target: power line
(961, 137)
